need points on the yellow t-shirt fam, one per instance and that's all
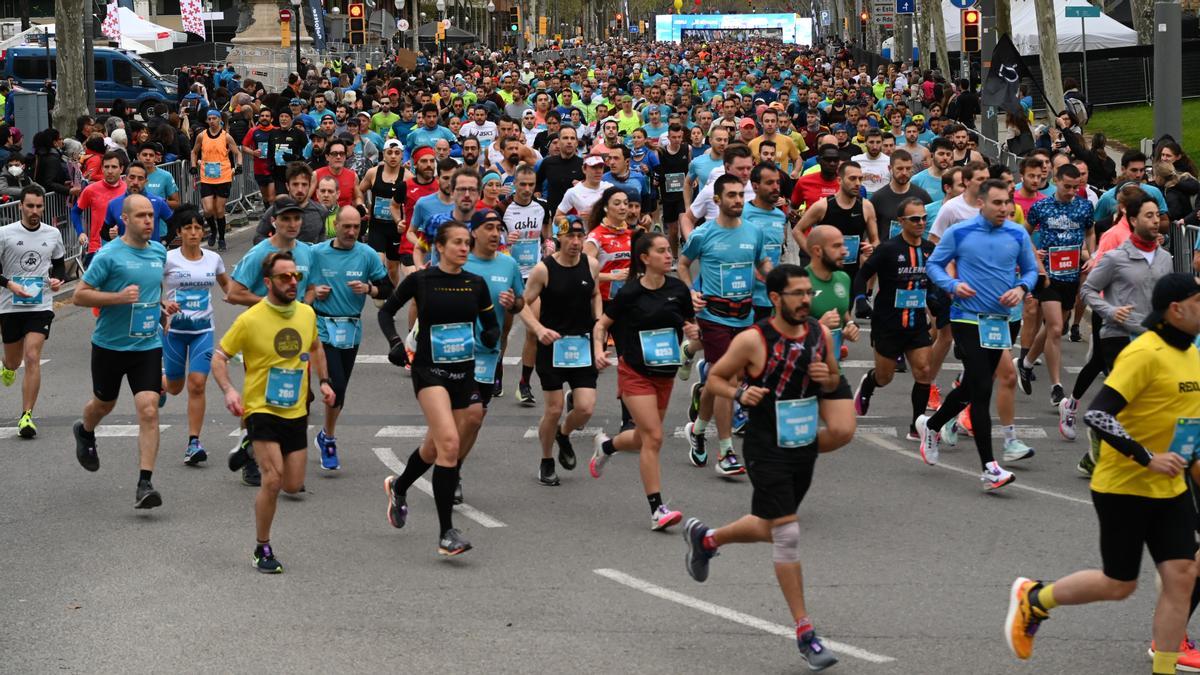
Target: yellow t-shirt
(630, 123)
(1161, 384)
(786, 152)
(276, 351)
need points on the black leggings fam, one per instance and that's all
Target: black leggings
(979, 368)
(1101, 356)
(341, 364)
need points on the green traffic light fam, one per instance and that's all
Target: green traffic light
(514, 28)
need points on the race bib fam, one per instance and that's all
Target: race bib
(773, 251)
(796, 422)
(262, 150)
(342, 332)
(613, 288)
(452, 342)
(485, 365)
(572, 351)
(192, 299)
(673, 182)
(1187, 436)
(525, 252)
(853, 243)
(382, 210)
(283, 386)
(894, 229)
(1063, 261)
(910, 299)
(279, 160)
(993, 331)
(836, 334)
(737, 280)
(143, 320)
(660, 347)
(33, 286)
(212, 169)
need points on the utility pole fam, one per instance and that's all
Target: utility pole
(1168, 71)
(990, 124)
(903, 41)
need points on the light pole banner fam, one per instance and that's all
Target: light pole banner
(316, 21)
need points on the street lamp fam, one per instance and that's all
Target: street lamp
(299, 65)
(491, 10)
(441, 8)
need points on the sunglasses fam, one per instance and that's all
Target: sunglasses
(285, 276)
(914, 219)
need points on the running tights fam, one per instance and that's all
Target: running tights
(979, 366)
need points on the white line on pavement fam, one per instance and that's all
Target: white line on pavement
(532, 432)
(851, 364)
(123, 430)
(889, 445)
(733, 615)
(390, 460)
(401, 432)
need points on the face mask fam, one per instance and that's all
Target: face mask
(16, 171)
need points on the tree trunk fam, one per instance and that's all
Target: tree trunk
(1143, 20)
(1004, 17)
(1048, 44)
(934, 9)
(71, 101)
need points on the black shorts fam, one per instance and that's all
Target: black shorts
(263, 180)
(290, 434)
(406, 260)
(893, 344)
(671, 210)
(486, 391)
(14, 326)
(215, 190)
(780, 486)
(842, 392)
(1166, 527)
(462, 387)
(1058, 291)
(142, 369)
(383, 237)
(553, 379)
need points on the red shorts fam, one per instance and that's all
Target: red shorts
(715, 338)
(632, 383)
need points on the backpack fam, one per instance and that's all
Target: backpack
(1081, 109)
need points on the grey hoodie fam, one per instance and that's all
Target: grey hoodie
(1125, 278)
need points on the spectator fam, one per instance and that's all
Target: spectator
(94, 150)
(14, 179)
(72, 150)
(49, 168)
(118, 110)
(1179, 189)
(83, 127)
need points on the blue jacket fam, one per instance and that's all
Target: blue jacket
(987, 257)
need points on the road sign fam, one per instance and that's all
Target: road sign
(1082, 11)
(285, 15)
(883, 12)
(905, 6)
(402, 24)
(964, 4)
(825, 20)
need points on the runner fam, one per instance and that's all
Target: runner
(449, 302)
(125, 282)
(345, 272)
(190, 274)
(652, 312)
(888, 198)
(728, 253)
(527, 228)
(853, 216)
(763, 212)
(213, 158)
(380, 181)
(257, 144)
(781, 371)
(278, 340)
(579, 199)
(985, 251)
(1138, 488)
(566, 284)
(32, 251)
(670, 175)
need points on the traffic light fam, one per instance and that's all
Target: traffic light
(514, 20)
(862, 20)
(356, 26)
(970, 30)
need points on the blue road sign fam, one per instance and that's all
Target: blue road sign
(905, 6)
(963, 4)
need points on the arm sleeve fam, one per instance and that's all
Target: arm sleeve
(490, 336)
(1102, 417)
(58, 268)
(77, 217)
(387, 314)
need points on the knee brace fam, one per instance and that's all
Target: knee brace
(786, 546)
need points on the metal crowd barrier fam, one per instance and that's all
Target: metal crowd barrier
(244, 196)
(57, 214)
(1181, 242)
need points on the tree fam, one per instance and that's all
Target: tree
(72, 93)
(1004, 17)
(934, 9)
(1048, 44)
(1142, 12)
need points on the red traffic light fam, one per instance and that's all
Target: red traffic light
(971, 16)
(355, 10)
(863, 17)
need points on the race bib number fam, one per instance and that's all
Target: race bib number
(279, 153)
(485, 365)
(660, 347)
(192, 299)
(32, 285)
(382, 210)
(613, 288)
(894, 229)
(1187, 436)
(342, 332)
(853, 243)
(262, 150)
(773, 251)
(212, 169)
(737, 280)
(143, 320)
(283, 386)
(796, 422)
(910, 299)
(452, 342)
(673, 182)
(572, 351)
(1063, 261)
(993, 331)
(525, 252)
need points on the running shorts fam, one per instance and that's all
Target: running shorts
(462, 388)
(187, 353)
(290, 434)
(383, 237)
(142, 369)
(892, 344)
(14, 326)
(1166, 527)
(715, 337)
(780, 486)
(1058, 291)
(632, 383)
(215, 190)
(553, 379)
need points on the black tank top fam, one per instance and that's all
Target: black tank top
(567, 297)
(851, 222)
(384, 190)
(785, 376)
(962, 162)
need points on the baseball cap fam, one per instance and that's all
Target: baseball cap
(1175, 287)
(593, 160)
(484, 215)
(392, 143)
(747, 122)
(296, 101)
(285, 204)
(840, 127)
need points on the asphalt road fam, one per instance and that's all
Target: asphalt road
(907, 567)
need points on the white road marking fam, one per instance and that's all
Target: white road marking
(390, 460)
(382, 358)
(733, 615)
(889, 445)
(851, 364)
(123, 430)
(881, 431)
(532, 432)
(401, 432)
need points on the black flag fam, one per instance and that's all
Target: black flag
(1000, 87)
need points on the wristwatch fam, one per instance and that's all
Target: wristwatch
(326, 380)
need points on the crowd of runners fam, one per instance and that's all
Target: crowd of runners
(726, 214)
